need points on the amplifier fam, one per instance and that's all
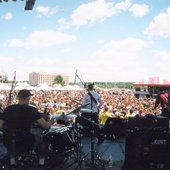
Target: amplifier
(149, 150)
(156, 123)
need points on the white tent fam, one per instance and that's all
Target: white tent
(24, 85)
(57, 87)
(43, 86)
(72, 87)
(3, 86)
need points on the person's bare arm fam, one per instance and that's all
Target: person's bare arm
(1, 124)
(44, 124)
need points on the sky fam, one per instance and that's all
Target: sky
(101, 40)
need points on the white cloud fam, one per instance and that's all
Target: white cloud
(117, 60)
(164, 62)
(120, 49)
(35, 63)
(139, 10)
(64, 25)
(5, 60)
(66, 50)
(41, 39)
(112, 62)
(53, 11)
(7, 16)
(97, 10)
(160, 26)
(91, 12)
(42, 10)
(122, 6)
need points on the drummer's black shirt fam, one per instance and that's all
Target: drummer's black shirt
(20, 117)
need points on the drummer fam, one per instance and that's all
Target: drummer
(17, 119)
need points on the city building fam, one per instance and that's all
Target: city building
(45, 78)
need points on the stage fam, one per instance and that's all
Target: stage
(107, 155)
(144, 146)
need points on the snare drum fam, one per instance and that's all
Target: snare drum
(60, 138)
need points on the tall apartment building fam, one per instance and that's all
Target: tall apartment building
(37, 78)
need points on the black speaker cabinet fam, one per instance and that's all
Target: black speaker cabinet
(147, 150)
(114, 126)
(149, 123)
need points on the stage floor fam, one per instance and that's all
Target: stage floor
(91, 155)
(107, 155)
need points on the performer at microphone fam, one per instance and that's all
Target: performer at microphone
(95, 103)
(18, 119)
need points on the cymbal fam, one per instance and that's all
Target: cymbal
(75, 111)
(84, 110)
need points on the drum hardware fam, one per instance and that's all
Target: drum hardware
(79, 149)
(61, 145)
(64, 117)
(79, 159)
(96, 160)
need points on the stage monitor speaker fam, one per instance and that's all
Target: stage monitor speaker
(114, 126)
(148, 150)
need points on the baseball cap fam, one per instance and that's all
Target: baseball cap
(24, 93)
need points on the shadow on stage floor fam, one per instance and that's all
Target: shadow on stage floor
(109, 154)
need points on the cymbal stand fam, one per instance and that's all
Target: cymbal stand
(96, 161)
(79, 149)
(79, 159)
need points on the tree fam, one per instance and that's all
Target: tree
(6, 79)
(59, 80)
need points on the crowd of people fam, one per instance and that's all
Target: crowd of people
(117, 102)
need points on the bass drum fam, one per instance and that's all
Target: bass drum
(61, 138)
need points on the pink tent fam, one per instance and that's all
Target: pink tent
(152, 81)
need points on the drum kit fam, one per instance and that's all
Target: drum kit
(67, 138)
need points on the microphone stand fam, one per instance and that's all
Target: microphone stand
(11, 90)
(77, 76)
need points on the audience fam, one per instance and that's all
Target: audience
(119, 102)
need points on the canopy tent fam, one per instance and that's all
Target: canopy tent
(23, 85)
(43, 86)
(4, 87)
(153, 81)
(72, 88)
